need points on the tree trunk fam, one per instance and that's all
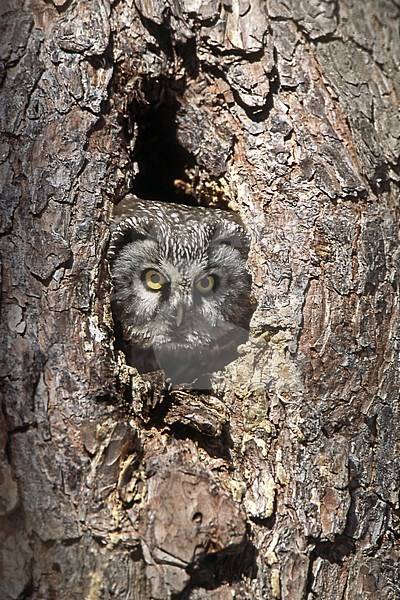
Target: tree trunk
(282, 482)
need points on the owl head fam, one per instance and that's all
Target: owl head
(180, 287)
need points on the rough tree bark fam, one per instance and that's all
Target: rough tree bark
(283, 482)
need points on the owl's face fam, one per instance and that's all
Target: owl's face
(181, 291)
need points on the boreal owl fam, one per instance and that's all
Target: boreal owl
(181, 292)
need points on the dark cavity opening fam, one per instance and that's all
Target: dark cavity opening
(162, 162)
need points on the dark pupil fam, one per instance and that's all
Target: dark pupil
(204, 283)
(155, 278)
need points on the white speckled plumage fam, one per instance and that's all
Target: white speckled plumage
(184, 244)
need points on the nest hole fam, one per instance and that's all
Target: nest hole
(162, 165)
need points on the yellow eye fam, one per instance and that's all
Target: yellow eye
(205, 285)
(154, 280)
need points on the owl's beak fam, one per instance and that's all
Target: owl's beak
(179, 315)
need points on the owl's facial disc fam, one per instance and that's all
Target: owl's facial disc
(179, 297)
